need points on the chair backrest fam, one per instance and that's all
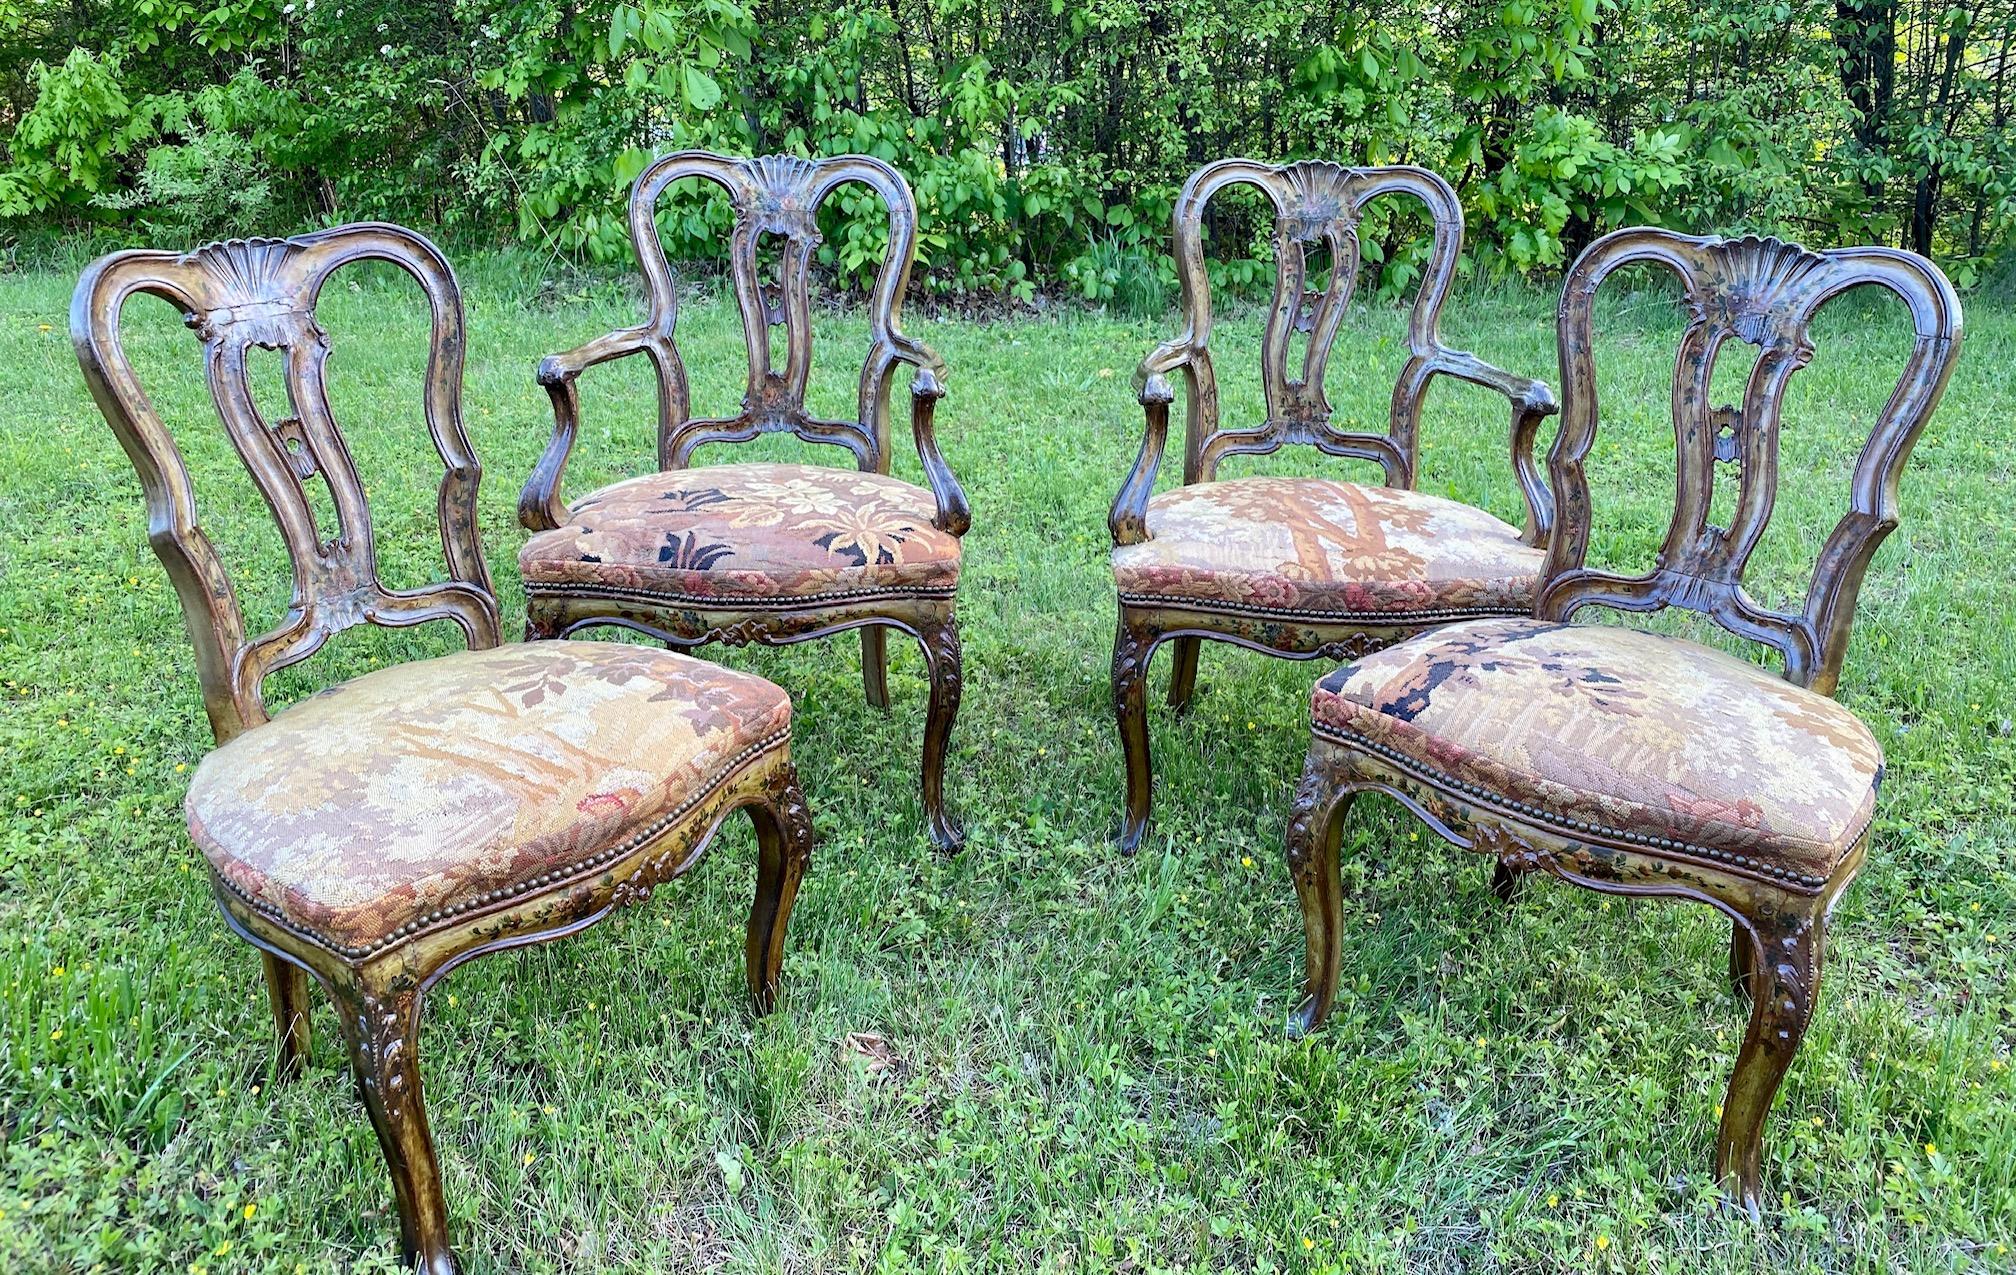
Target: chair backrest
(1762, 292)
(1315, 202)
(777, 195)
(262, 293)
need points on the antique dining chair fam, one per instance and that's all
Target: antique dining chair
(385, 830)
(753, 552)
(1306, 568)
(1633, 762)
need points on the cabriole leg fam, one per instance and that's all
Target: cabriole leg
(1784, 976)
(1315, 828)
(1506, 882)
(1183, 653)
(1133, 648)
(875, 665)
(540, 624)
(940, 639)
(381, 1027)
(783, 848)
(1742, 961)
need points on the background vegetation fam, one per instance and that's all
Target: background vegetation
(1045, 139)
(1036, 1056)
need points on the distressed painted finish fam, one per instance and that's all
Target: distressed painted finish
(772, 196)
(1763, 293)
(261, 294)
(1316, 205)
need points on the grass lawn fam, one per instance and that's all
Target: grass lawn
(1084, 1065)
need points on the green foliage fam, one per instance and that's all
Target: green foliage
(1045, 143)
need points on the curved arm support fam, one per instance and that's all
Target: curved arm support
(953, 513)
(1129, 518)
(540, 507)
(1532, 403)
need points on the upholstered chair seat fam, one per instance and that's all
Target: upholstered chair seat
(1331, 550)
(410, 796)
(748, 532)
(1620, 734)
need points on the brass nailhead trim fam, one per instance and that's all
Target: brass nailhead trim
(1372, 618)
(717, 602)
(1525, 810)
(586, 867)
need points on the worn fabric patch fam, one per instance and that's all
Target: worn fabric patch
(401, 792)
(1630, 730)
(749, 531)
(1311, 544)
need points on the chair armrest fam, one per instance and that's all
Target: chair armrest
(540, 507)
(1162, 360)
(1129, 518)
(953, 513)
(1532, 403)
(926, 388)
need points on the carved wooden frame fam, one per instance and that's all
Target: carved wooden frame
(771, 195)
(1763, 292)
(1314, 202)
(262, 293)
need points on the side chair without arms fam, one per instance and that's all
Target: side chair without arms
(751, 552)
(1306, 568)
(1629, 761)
(379, 833)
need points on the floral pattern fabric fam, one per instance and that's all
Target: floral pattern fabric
(755, 530)
(1314, 545)
(396, 794)
(1622, 728)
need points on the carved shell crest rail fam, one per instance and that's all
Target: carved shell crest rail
(1753, 288)
(1763, 292)
(250, 297)
(1316, 195)
(244, 294)
(786, 197)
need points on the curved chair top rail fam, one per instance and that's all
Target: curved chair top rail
(775, 195)
(1763, 292)
(1318, 202)
(247, 293)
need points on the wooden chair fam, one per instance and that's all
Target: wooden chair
(767, 553)
(1306, 568)
(1632, 762)
(382, 832)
